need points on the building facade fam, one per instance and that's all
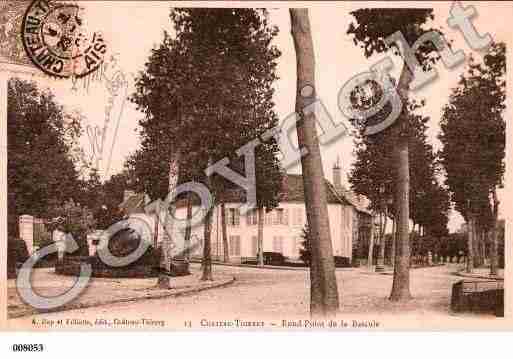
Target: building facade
(283, 226)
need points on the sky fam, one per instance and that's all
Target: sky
(132, 28)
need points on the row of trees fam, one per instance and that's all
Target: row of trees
(370, 30)
(205, 92)
(185, 94)
(471, 160)
(372, 175)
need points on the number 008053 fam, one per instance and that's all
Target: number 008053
(27, 347)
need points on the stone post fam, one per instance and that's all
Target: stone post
(26, 223)
(58, 237)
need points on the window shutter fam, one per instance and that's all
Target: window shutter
(276, 218)
(229, 216)
(286, 217)
(237, 217)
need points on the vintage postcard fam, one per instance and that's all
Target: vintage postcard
(281, 166)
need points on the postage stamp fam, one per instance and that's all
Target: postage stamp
(330, 168)
(54, 40)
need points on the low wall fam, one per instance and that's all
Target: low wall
(478, 297)
(71, 266)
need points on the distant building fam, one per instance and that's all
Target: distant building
(349, 221)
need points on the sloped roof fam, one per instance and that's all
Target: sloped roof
(292, 191)
(352, 197)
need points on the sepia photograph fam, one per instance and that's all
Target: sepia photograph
(213, 166)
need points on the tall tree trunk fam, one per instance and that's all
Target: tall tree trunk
(323, 283)
(380, 267)
(156, 229)
(401, 281)
(226, 249)
(206, 263)
(260, 238)
(371, 245)
(482, 247)
(165, 261)
(383, 240)
(188, 229)
(392, 252)
(470, 244)
(476, 245)
(494, 234)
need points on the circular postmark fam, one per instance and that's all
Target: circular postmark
(54, 39)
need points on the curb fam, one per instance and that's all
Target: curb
(74, 306)
(269, 267)
(254, 266)
(391, 272)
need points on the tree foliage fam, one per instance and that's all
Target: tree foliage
(205, 93)
(473, 134)
(305, 252)
(40, 168)
(372, 28)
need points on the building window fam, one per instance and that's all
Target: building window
(233, 216)
(254, 245)
(235, 245)
(278, 216)
(278, 244)
(297, 216)
(269, 218)
(252, 218)
(281, 216)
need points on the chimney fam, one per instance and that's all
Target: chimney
(127, 194)
(337, 175)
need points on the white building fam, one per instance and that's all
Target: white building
(282, 226)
